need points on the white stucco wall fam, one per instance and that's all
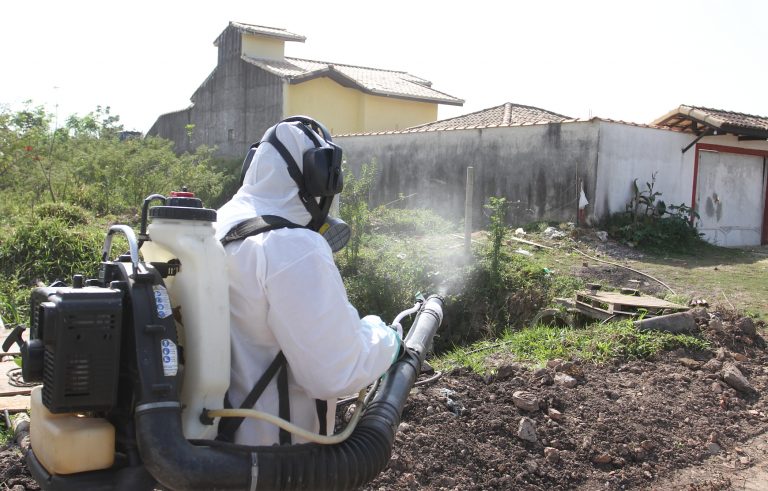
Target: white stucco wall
(626, 152)
(730, 192)
(536, 167)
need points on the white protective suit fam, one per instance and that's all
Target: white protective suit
(287, 294)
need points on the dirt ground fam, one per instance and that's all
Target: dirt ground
(685, 421)
(631, 425)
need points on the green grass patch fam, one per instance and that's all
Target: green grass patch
(6, 435)
(598, 343)
(418, 222)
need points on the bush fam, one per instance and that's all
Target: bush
(650, 224)
(671, 232)
(48, 249)
(353, 208)
(490, 302)
(14, 301)
(390, 221)
(68, 213)
(387, 275)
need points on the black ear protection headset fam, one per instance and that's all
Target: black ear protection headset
(321, 176)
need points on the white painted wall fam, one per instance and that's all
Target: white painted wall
(731, 198)
(626, 152)
(536, 167)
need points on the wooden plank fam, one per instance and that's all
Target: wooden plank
(14, 404)
(644, 301)
(605, 305)
(12, 398)
(590, 311)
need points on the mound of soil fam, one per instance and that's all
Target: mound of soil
(581, 426)
(14, 475)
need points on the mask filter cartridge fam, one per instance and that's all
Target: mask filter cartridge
(336, 232)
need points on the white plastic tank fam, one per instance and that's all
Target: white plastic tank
(69, 443)
(199, 296)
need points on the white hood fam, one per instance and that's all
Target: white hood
(268, 189)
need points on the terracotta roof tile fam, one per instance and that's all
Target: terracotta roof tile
(736, 119)
(388, 83)
(430, 127)
(504, 115)
(696, 119)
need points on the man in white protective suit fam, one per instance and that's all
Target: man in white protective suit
(287, 296)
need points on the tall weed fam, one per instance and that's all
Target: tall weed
(48, 249)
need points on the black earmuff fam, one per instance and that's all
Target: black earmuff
(321, 165)
(321, 176)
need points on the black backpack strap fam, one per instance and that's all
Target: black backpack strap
(228, 426)
(284, 405)
(322, 415)
(255, 226)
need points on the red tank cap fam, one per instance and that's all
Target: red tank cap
(182, 194)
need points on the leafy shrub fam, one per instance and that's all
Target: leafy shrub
(66, 212)
(649, 223)
(14, 300)
(85, 163)
(387, 275)
(498, 232)
(415, 222)
(49, 249)
(353, 207)
(492, 301)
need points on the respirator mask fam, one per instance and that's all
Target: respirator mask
(320, 181)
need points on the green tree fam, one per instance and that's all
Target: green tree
(85, 163)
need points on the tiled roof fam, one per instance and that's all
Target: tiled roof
(700, 120)
(506, 114)
(429, 127)
(273, 32)
(375, 81)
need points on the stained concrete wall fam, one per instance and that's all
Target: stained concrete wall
(231, 109)
(536, 168)
(629, 152)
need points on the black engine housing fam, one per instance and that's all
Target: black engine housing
(80, 330)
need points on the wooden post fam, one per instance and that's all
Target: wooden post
(468, 210)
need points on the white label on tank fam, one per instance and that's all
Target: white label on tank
(162, 301)
(170, 360)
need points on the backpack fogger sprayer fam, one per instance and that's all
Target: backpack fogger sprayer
(131, 362)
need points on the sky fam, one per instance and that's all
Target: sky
(631, 61)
